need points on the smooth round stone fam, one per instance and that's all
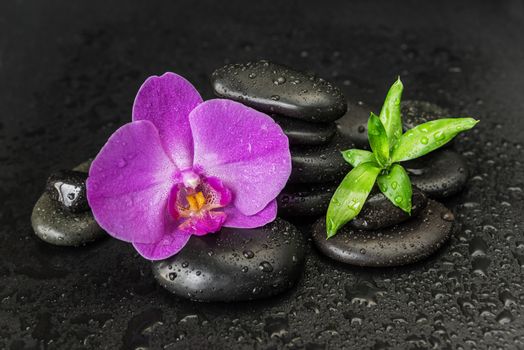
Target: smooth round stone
(398, 245)
(378, 211)
(55, 225)
(304, 133)
(320, 164)
(439, 174)
(305, 199)
(354, 124)
(235, 264)
(274, 88)
(68, 187)
(418, 112)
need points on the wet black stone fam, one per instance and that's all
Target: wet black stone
(354, 124)
(418, 112)
(235, 264)
(305, 199)
(439, 174)
(68, 187)
(398, 245)
(273, 88)
(320, 164)
(379, 212)
(304, 133)
(55, 224)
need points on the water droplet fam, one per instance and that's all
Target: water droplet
(424, 140)
(279, 81)
(248, 254)
(447, 216)
(265, 266)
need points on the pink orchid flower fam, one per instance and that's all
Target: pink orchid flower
(186, 167)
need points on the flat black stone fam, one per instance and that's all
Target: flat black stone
(274, 88)
(55, 224)
(398, 245)
(354, 124)
(439, 174)
(305, 199)
(235, 264)
(378, 211)
(68, 187)
(418, 112)
(320, 164)
(304, 133)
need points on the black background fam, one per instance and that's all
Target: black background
(69, 71)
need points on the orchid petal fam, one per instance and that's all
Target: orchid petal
(236, 219)
(166, 101)
(168, 246)
(208, 222)
(129, 183)
(244, 148)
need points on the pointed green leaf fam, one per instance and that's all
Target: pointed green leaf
(355, 157)
(378, 139)
(390, 113)
(350, 196)
(429, 136)
(397, 187)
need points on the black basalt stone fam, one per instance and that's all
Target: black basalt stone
(378, 211)
(235, 264)
(305, 199)
(398, 245)
(68, 187)
(274, 88)
(320, 164)
(439, 174)
(55, 224)
(304, 133)
(354, 124)
(418, 112)
(58, 226)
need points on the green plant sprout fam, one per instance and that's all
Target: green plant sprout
(389, 147)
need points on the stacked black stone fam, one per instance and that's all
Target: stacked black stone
(382, 234)
(306, 107)
(62, 216)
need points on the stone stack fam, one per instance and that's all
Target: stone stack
(306, 107)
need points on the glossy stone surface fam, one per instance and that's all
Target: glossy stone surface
(398, 245)
(439, 174)
(379, 212)
(320, 164)
(274, 88)
(418, 112)
(235, 264)
(56, 225)
(354, 124)
(68, 188)
(305, 199)
(304, 133)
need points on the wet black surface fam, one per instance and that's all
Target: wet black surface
(69, 73)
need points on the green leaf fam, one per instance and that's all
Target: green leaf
(355, 157)
(397, 187)
(350, 196)
(429, 136)
(390, 113)
(378, 139)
